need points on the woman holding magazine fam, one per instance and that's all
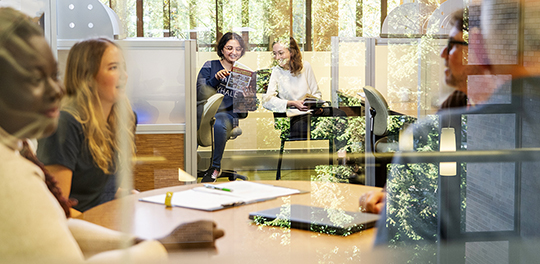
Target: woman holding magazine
(213, 79)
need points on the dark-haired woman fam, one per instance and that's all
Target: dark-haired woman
(213, 79)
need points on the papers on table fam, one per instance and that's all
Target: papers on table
(208, 199)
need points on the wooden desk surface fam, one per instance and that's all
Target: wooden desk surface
(244, 241)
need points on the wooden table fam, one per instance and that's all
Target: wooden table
(245, 242)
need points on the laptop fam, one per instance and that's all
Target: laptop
(316, 219)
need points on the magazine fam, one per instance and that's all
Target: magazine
(244, 81)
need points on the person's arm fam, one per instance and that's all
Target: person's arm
(311, 81)
(298, 105)
(99, 243)
(270, 100)
(59, 152)
(102, 245)
(206, 78)
(63, 177)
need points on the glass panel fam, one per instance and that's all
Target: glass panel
(352, 66)
(489, 89)
(156, 87)
(487, 252)
(489, 184)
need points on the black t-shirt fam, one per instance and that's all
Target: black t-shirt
(68, 147)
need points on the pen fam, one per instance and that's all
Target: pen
(217, 188)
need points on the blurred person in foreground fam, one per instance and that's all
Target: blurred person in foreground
(35, 224)
(455, 56)
(490, 211)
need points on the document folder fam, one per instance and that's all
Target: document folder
(211, 199)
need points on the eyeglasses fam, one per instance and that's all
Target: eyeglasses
(452, 43)
(231, 48)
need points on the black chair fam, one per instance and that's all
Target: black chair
(377, 143)
(302, 134)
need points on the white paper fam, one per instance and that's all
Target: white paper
(211, 199)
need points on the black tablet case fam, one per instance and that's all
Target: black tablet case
(316, 219)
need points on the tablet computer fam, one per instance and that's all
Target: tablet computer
(316, 219)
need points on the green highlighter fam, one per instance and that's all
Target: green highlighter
(217, 188)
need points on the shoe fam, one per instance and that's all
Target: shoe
(237, 131)
(211, 175)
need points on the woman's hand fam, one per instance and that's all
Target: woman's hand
(372, 202)
(298, 105)
(199, 234)
(220, 75)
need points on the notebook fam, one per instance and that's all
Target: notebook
(211, 199)
(316, 219)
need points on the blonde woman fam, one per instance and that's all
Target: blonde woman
(81, 155)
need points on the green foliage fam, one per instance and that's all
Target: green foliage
(279, 222)
(267, 18)
(339, 173)
(263, 78)
(413, 197)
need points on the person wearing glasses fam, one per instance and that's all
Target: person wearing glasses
(292, 81)
(455, 56)
(457, 71)
(496, 207)
(293, 89)
(212, 79)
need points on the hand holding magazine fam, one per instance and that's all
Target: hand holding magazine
(244, 81)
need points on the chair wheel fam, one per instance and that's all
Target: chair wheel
(236, 176)
(232, 175)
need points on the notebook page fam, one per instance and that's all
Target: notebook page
(195, 200)
(249, 191)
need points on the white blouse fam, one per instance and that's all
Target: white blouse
(284, 86)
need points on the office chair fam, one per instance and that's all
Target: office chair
(378, 142)
(205, 133)
(288, 135)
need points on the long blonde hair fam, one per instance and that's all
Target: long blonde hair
(83, 103)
